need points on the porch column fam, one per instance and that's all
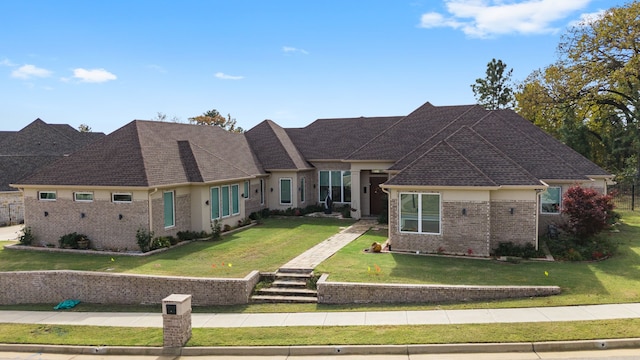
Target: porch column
(356, 190)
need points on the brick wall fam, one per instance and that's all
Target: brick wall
(11, 208)
(461, 232)
(101, 222)
(182, 203)
(366, 293)
(518, 226)
(36, 287)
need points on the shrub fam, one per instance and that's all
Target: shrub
(588, 212)
(216, 230)
(27, 237)
(346, 211)
(569, 248)
(143, 237)
(161, 242)
(509, 249)
(191, 235)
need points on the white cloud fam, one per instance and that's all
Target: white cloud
(157, 68)
(293, 50)
(7, 62)
(93, 75)
(29, 71)
(588, 18)
(487, 18)
(221, 75)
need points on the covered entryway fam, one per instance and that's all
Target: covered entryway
(377, 197)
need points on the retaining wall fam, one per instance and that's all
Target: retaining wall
(37, 287)
(369, 293)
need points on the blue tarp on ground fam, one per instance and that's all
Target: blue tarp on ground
(67, 304)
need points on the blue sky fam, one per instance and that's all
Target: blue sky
(105, 63)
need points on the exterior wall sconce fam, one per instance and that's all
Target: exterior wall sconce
(120, 216)
(512, 210)
(82, 215)
(314, 186)
(464, 211)
(206, 202)
(46, 213)
(271, 189)
(256, 191)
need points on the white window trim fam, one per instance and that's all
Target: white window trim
(303, 189)
(248, 189)
(419, 221)
(331, 186)
(47, 192)
(113, 195)
(262, 192)
(222, 215)
(542, 212)
(231, 199)
(290, 191)
(75, 196)
(216, 204)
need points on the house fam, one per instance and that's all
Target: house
(24, 151)
(452, 179)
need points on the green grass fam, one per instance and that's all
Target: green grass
(615, 280)
(330, 335)
(265, 248)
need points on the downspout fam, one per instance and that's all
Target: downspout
(151, 210)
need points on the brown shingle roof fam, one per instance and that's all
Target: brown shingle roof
(149, 153)
(274, 147)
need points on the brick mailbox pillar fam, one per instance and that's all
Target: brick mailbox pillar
(176, 320)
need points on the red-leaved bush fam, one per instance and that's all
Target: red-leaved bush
(588, 212)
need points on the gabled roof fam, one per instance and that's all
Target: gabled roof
(151, 153)
(335, 139)
(37, 144)
(464, 158)
(274, 148)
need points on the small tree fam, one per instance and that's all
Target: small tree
(494, 92)
(588, 212)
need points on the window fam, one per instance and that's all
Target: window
(83, 196)
(420, 213)
(235, 199)
(337, 184)
(47, 195)
(246, 190)
(215, 203)
(225, 201)
(261, 192)
(302, 190)
(550, 200)
(121, 197)
(285, 191)
(169, 209)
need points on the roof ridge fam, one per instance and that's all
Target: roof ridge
(434, 135)
(497, 150)
(445, 141)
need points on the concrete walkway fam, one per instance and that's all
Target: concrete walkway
(309, 259)
(10, 232)
(356, 318)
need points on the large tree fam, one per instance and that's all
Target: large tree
(214, 118)
(593, 89)
(494, 91)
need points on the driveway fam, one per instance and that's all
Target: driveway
(10, 232)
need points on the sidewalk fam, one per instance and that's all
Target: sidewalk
(357, 318)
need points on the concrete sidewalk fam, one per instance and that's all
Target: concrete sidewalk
(358, 318)
(10, 232)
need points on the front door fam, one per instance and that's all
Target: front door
(377, 197)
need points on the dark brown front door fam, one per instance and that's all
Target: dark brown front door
(377, 198)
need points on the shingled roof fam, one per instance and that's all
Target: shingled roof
(151, 153)
(36, 145)
(274, 148)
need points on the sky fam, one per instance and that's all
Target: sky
(106, 63)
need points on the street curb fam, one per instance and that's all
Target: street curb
(525, 347)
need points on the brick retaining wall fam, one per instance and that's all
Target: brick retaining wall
(36, 287)
(369, 293)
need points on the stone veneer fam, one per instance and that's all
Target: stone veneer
(36, 287)
(368, 293)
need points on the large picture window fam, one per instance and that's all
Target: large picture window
(215, 203)
(550, 200)
(337, 184)
(169, 209)
(225, 201)
(235, 199)
(420, 213)
(285, 191)
(302, 189)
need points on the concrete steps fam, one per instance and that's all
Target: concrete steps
(289, 286)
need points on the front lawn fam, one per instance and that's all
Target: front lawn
(264, 247)
(615, 280)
